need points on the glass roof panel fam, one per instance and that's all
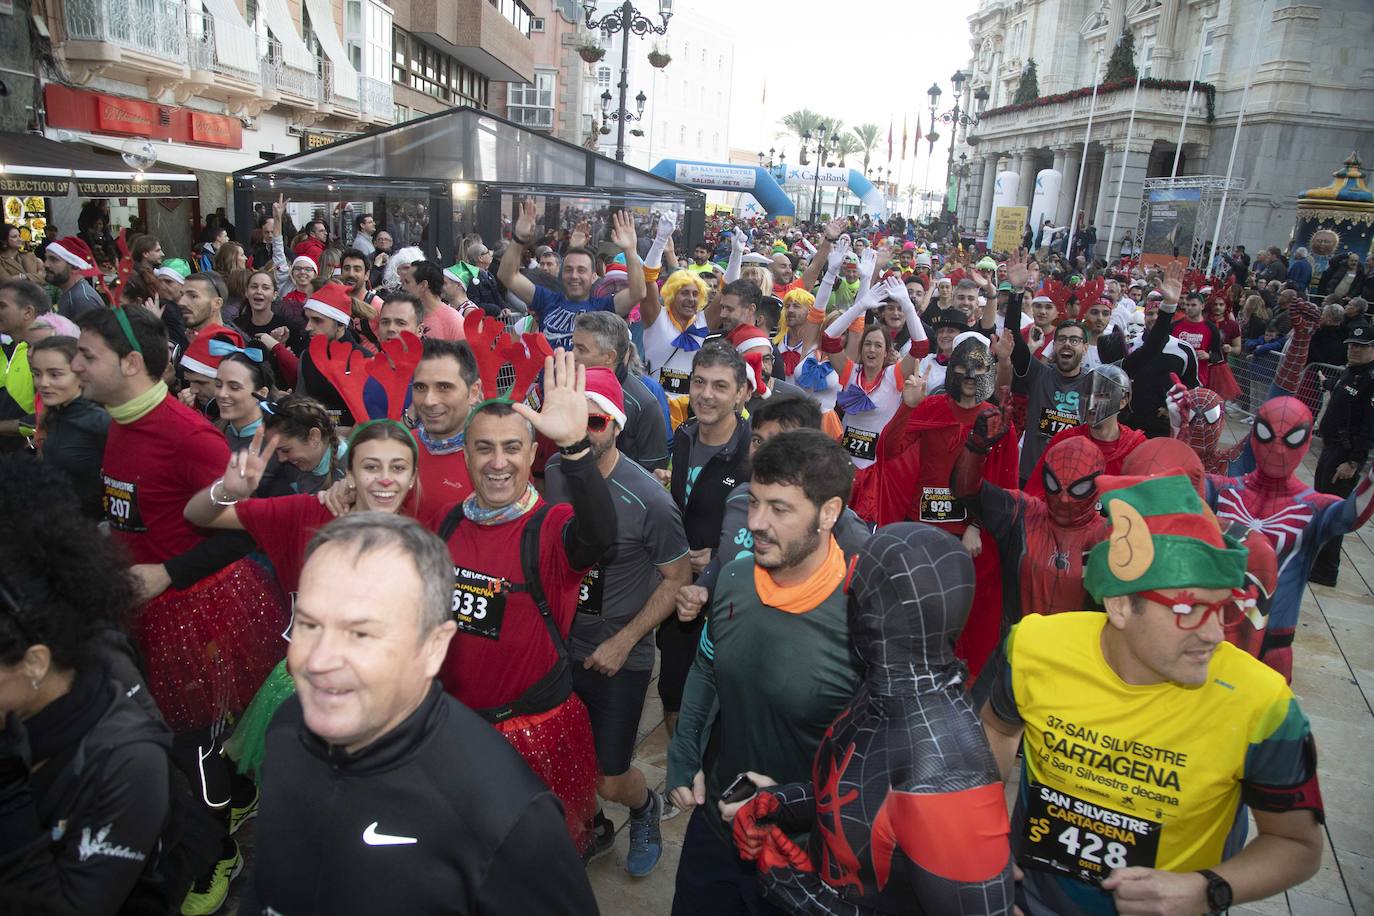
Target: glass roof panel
(464, 144)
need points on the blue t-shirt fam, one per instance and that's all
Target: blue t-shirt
(557, 314)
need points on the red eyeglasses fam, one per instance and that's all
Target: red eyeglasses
(597, 422)
(1191, 613)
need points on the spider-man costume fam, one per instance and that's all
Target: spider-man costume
(1198, 415)
(1295, 518)
(905, 810)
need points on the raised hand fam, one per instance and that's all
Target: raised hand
(154, 305)
(1171, 287)
(868, 262)
(563, 418)
(834, 228)
(977, 276)
(895, 290)
(914, 388)
(874, 297)
(580, 235)
(738, 242)
(1017, 274)
(523, 230)
(623, 231)
(244, 473)
(667, 222)
(835, 258)
(988, 427)
(1003, 343)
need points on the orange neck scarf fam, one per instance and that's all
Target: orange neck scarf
(804, 596)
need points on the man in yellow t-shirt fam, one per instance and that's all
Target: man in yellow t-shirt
(1144, 730)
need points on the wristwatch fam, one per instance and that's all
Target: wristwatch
(1218, 892)
(580, 445)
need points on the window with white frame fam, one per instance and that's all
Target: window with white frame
(531, 104)
(1209, 39)
(603, 77)
(536, 23)
(1147, 58)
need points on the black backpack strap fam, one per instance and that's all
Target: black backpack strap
(529, 568)
(450, 524)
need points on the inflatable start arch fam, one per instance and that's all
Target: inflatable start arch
(763, 184)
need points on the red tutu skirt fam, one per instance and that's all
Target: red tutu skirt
(208, 648)
(558, 746)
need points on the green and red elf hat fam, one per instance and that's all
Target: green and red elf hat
(1162, 536)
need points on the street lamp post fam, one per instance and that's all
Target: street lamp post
(821, 150)
(961, 172)
(956, 118)
(622, 116)
(625, 20)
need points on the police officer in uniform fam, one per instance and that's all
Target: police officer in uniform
(1347, 433)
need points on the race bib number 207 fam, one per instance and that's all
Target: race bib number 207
(1083, 839)
(119, 498)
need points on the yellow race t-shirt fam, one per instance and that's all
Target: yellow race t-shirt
(1118, 775)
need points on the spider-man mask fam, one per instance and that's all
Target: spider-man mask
(1206, 410)
(1282, 435)
(1071, 469)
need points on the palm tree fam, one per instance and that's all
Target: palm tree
(846, 145)
(868, 140)
(799, 122)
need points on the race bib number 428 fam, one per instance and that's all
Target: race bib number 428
(1083, 839)
(479, 603)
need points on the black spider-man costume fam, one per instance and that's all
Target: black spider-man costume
(905, 808)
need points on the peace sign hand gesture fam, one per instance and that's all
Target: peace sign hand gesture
(244, 473)
(563, 418)
(914, 389)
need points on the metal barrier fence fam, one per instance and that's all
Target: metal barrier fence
(1254, 374)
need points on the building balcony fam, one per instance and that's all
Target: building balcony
(331, 102)
(220, 54)
(291, 85)
(534, 118)
(377, 102)
(131, 40)
(476, 32)
(1062, 118)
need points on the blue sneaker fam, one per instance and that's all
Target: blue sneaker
(646, 841)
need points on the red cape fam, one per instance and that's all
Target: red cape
(918, 449)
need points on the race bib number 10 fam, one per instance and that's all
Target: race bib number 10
(479, 603)
(674, 381)
(119, 498)
(1083, 839)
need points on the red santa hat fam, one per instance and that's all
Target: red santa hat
(198, 358)
(74, 251)
(603, 390)
(332, 301)
(752, 344)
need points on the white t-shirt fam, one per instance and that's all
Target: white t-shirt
(862, 428)
(671, 365)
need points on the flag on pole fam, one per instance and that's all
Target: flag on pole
(765, 91)
(889, 140)
(904, 138)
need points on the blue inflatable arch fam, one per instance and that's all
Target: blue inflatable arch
(763, 184)
(723, 176)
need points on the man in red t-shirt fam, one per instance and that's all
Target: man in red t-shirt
(509, 659)
(442, 392)
(1199, 334)
(206, 646)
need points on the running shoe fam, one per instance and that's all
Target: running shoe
(603, 838)
(646, 840)
(241, 814)
(210, 891)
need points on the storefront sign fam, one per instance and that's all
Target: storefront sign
(315, 140)
(42, 187)
(99, 112)
(115, 187)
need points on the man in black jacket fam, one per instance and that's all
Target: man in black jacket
(710, 458)
(1347, 433)
(381, 793)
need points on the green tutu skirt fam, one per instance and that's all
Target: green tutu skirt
(249, 741)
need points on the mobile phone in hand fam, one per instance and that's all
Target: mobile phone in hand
(741, 788)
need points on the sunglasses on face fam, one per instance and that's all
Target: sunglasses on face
(597, 422)
(1191, 614)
